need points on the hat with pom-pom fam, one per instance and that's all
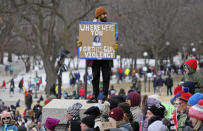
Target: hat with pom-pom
(195, 98)
(185, 97)
(192, 63)
(116, 114)
(197, 111)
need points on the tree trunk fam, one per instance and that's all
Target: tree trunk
(135, 62)
(2, 58)
(50, 75)
(27, 67)
(9, 57)
(156, 62)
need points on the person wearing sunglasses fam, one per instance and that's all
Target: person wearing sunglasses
(7, 123)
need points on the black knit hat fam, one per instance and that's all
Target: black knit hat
(93, 110)
(157, 110)
(89, 121)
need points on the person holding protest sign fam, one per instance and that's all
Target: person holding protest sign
(104, 65)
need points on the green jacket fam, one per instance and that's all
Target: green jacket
(196, 77)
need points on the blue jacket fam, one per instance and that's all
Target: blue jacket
(8, 127)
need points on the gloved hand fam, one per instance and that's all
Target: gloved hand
(79, 43)
(115, 46)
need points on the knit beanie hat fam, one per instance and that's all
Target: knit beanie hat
(177, 89)
(152, 101)
(195, 98)
(89, 121)
(197, 111)
(185, 97)
(158, 110)
(51, 123)
(74, 109)
(116, 114)
(93, 110)
(99, 11)
(134, 98)
(192, 63)
(5, 114)
(190, 85)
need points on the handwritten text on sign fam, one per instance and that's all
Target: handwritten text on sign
(97, 40)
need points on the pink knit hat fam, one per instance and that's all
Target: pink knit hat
(5, 114)
(197, 111)
(51, 123)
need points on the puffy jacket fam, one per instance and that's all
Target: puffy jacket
(195, 77)
(8, 127)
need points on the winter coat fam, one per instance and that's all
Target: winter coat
(169, 82)
(90, 63)
(136, 112)
(74, 125)
(195, 77)
(82, 92)
(159, 82)
(8, 127)
(28, 99)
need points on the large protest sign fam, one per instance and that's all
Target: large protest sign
(97, 40)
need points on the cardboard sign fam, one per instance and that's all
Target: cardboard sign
(97, 40)
(108, 125)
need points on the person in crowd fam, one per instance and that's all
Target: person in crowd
(12, 86)
(28, 100)
(51, 123)
(122, 92)
(183, 117)
(146, 102)
(117, 115)
(11, 69)
(87, 123)
(138, 87)
(7, 124)
(192, 75)
(154, 83)
(97, 65)
(20, 85)
(37, 110)
(4, 84)
(73, 117)
(112, 92)
(154, 115)
(126, 110)
(169, 84)
(196, 117)
(159, 82)
(134, 99)
(6, 69)
(95, 112)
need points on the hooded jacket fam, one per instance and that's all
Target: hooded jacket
(193, 75)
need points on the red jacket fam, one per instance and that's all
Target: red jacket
(4, 83)
(82, 92)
